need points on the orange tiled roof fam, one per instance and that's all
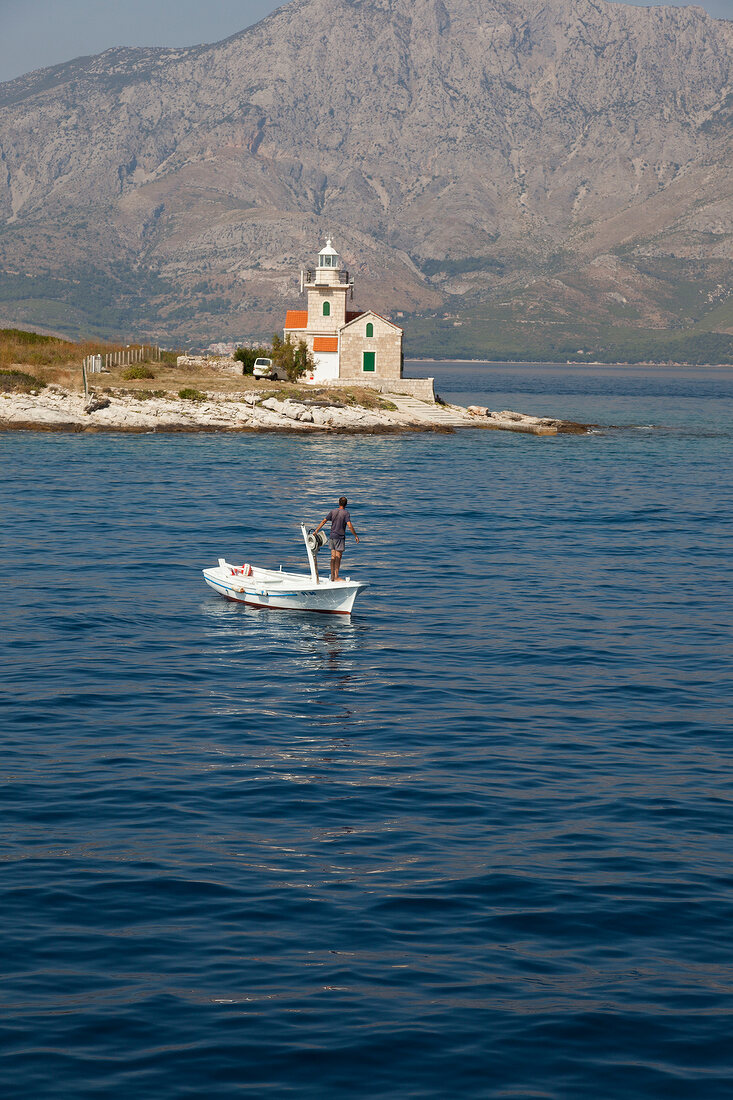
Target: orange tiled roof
(352, 314)
(296, 318)
(325, 343)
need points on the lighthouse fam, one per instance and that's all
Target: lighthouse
(328, 288)
(357, 345)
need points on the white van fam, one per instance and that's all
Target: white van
(263, 368)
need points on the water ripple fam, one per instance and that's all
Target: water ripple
(473, 842)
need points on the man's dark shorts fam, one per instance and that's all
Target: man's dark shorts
(337, 544)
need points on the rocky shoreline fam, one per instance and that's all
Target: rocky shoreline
(54, 409)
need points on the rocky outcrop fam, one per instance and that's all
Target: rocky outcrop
(54, 409)
(453, 147)
(95, 404)
(509, 421)
(329, 416)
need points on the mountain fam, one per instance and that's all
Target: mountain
(513, 170)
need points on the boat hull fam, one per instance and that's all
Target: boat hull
(327, 598)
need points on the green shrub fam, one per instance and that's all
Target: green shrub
(189, 394)
(138, 371)
(17, 381)
(147, 395)
(247, 356)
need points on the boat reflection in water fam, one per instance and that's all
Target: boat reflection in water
(295, 666)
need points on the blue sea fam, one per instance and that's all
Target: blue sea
(474, 841)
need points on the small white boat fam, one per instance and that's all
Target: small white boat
(285, 591)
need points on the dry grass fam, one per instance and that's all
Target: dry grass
(172, 379)
(332, 396)
(30, 349)
(52, 359)
(59, 362)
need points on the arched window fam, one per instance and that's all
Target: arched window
(370, 328)
(326, 309)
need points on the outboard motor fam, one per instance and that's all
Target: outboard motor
(316, 540)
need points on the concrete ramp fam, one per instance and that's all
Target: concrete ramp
(423, 412)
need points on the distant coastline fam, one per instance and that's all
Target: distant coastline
(568, 363)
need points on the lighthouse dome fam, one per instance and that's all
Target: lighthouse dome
(328, 256)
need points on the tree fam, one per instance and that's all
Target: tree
(247, 356)
(291, 359)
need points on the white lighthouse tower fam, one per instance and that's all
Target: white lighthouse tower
(328, 287)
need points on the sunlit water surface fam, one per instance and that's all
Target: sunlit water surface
(474, 841)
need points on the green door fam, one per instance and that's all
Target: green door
(368, 363)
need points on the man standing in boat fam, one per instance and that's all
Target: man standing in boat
(340, 520)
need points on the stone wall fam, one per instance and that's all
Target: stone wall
(317, 295)
(386, 343)
(218, 363)
(422, 388)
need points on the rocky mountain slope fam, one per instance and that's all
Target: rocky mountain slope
(478, 163)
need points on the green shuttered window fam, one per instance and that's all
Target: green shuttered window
(368, 361)
(370, 329)
(326, 309)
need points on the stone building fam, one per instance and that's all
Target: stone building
(358, 345)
